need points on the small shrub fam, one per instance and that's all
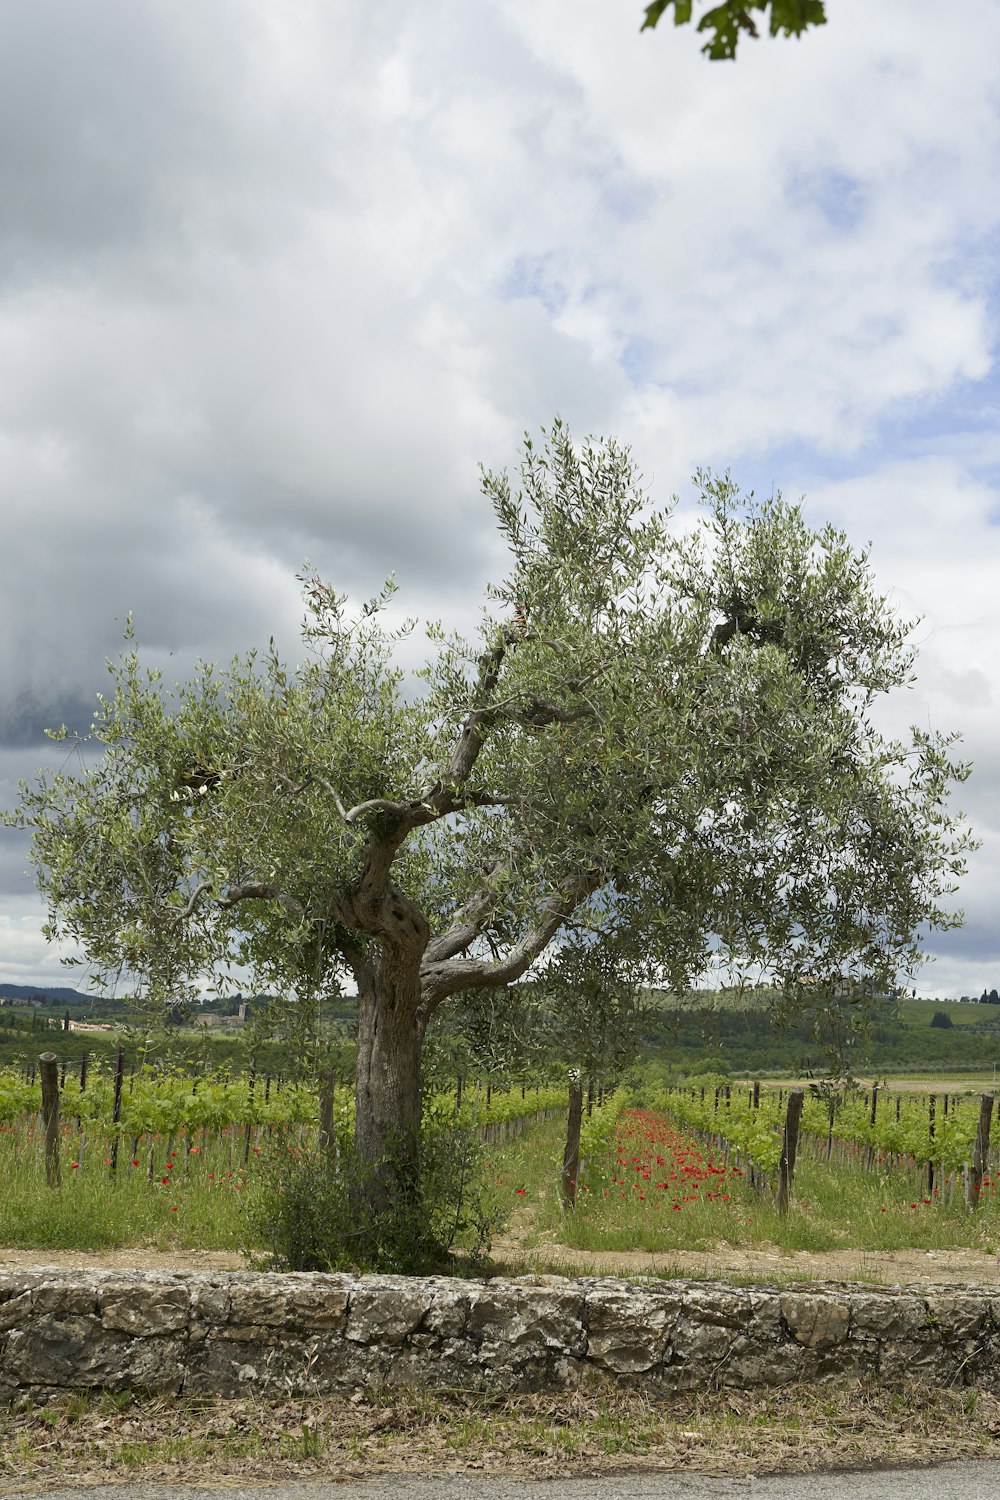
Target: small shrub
(311, 1213)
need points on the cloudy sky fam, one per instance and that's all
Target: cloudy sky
(276, 274)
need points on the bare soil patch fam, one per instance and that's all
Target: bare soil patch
(128, 1258)
(763, 1263)
(724, 1263)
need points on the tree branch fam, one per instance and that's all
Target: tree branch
(370, 896)
(538, 712)
(256, 891)
(470, 741)
(436, 803)
(315, 779)
(467, 922)
(181, 916)
(440, 978)
(379, 804)
(722, 635)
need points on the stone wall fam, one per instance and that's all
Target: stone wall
(233, 1332)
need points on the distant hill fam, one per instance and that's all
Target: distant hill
(50, 992)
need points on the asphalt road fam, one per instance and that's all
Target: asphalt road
(956, 1481)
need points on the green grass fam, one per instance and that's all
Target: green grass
(914, 1012)
(834, 1206)
(199, 1205)
(164, 1196)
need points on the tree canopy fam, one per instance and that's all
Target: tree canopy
(726, 22)
(661, 736)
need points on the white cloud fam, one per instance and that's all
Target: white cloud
(273, 279)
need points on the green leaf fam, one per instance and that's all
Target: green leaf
(728, 20)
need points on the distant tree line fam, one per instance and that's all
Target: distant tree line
(988, 997)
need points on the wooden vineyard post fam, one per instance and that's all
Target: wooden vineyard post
(756, 1175)
(327, 1133)
(116, 1110)
(871, 1146)
(980, 1152)
(571, 1156)
(831, 1117)
(248, 1128)
(786, 1168)
(931, 1108)
(83, 1081)
(48, 1067)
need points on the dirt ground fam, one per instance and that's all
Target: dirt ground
(227, 1444)
(759, 1264)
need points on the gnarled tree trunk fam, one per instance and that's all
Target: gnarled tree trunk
(387, 1097)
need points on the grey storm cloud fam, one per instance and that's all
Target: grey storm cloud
(275, 279)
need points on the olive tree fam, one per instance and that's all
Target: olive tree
(660, 733)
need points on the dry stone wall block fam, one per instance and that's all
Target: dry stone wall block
(956, 1316)
(754, 1362)
(384, 1310)
(448, 1313)
(145, 1312)
(814, 1321)
(64, 1297)
(288, 1300)
(15, 1310)
(67, 1351)
(911, 1359)
(891, 1315)
(235, 1332)
(629, 1327)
